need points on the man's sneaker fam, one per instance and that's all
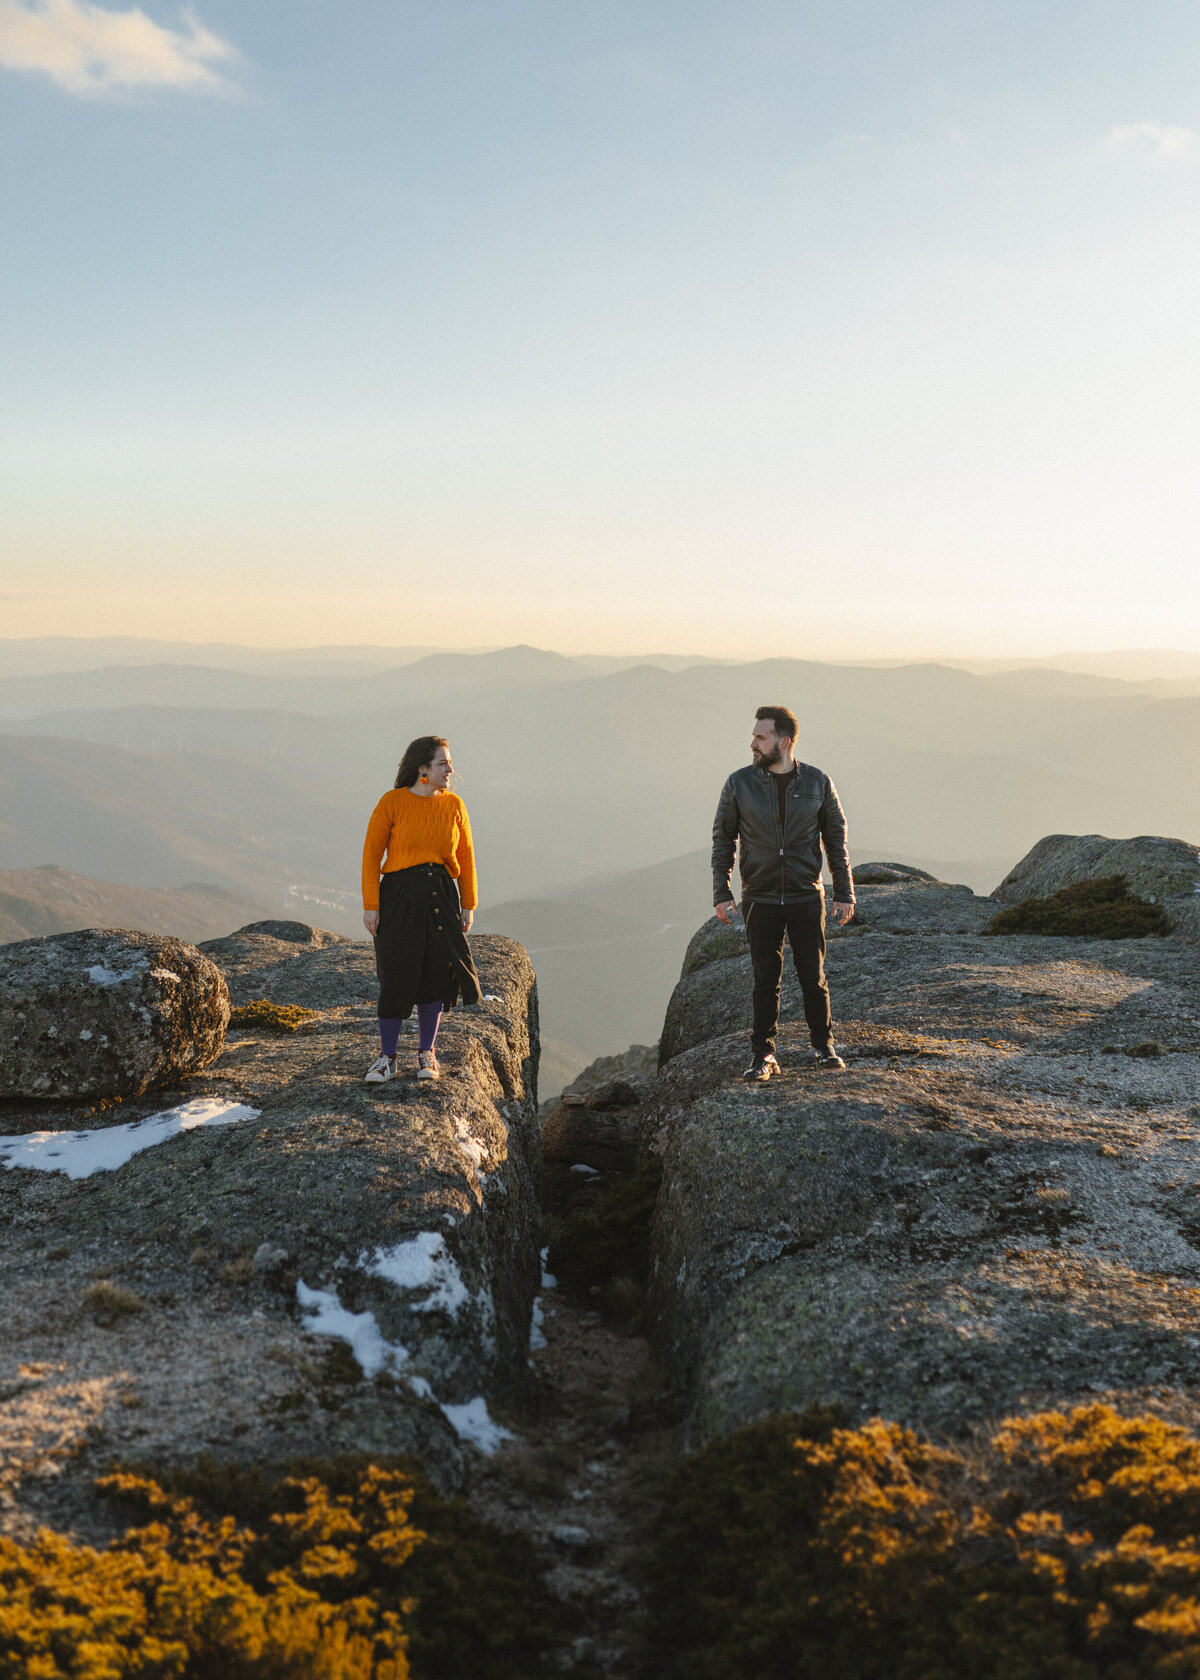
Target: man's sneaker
(427, 1065)
(382, 1068)
(761, 1068)
(828, 1058)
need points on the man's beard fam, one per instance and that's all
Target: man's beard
(764, 760)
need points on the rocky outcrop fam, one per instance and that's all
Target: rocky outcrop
(585, 1147)
(992, 1209)
(590, 1135)
(304, 1264)
(1166, 872)
(713, 994)
(105, 1013)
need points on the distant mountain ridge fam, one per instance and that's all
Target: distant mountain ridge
(34, 902)
(588, 782)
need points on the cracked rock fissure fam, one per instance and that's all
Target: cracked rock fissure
(991, 1211)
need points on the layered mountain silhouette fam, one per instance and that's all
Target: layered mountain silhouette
(258, 778)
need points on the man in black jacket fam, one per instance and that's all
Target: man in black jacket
(780, 813)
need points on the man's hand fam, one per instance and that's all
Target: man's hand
(727, 912)
(468, 916)
(840, 913)
(371, 922)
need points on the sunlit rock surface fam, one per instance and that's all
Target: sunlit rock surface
(995, 1207)
(343, 1268)
(709, 1001)
(105, 1013)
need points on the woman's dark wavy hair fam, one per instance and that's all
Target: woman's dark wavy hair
(416, 753)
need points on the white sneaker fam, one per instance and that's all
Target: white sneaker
(427, 1065)
(379, 1070)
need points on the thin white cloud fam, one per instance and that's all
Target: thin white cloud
(1163, 140)
(90, 51)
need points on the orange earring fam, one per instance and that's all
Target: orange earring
(424, 777)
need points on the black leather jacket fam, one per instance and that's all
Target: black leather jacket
(780, 866)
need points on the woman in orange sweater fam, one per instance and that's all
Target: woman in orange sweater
(419, 914)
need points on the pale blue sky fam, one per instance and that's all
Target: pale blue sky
(865, 328)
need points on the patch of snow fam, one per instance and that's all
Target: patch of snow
(324, 1315)
(80, 1154)
(537, 1333)
(101, 976)
(420, 1387)
(472, 1148)
(85, 1033)
(549, 1281)
(580, 1167)
(472, 1422)
(423, 1262)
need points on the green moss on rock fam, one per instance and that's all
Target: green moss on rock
(1065, 1546)
(713, 942)
(1104, 909)
(268, 1016)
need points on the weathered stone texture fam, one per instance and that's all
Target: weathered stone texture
(709, 1001)
(1163, 870)
(105, 1013)
(994, 1208)
(338, 1186)
(590, 1135)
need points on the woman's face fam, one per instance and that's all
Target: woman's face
(440, 770)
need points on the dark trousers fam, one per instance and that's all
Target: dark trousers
(803, 922)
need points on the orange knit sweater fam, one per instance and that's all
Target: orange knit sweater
(411, 828)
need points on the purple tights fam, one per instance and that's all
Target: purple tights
(429, 1016)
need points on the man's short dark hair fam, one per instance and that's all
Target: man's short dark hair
(785, 720)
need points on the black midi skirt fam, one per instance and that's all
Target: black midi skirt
(421, 951)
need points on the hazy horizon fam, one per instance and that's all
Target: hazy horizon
(1147, 661)
(142, 767)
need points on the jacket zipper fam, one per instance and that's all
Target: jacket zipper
(781, 821)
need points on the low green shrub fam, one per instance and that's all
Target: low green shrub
(268, 1016)
(1064, 1547)
(337, 1570)
(1104, 909)
(603, 1256)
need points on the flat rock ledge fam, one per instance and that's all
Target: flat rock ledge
(705, 1003)
(321, 1266)
(994, 1209)
(105, 1013)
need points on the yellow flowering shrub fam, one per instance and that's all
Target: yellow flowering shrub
(1066, 1546)
(269, 1016)
(335, 1580)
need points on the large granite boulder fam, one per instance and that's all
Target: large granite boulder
(713, 994)
(1165, 871)
(273, 960)
(105, 1013)
(994, 1208)
(303, 1264)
